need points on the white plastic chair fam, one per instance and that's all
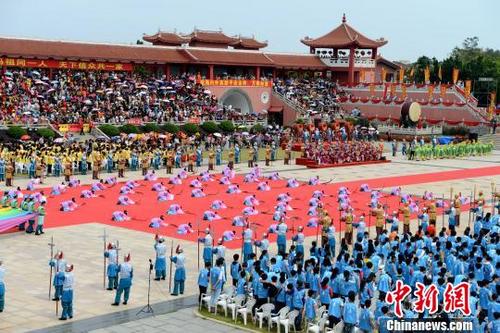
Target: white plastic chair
(224, 299)
(317, 327)
(264, 312)
(321, 312)
(235, 304)
(245, 310)
(289, 321)
(205, 299)
(278, 316)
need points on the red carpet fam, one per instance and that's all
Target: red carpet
(100, 209)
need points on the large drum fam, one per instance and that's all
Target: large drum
(410, 112)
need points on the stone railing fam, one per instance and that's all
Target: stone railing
(344, 62)
(433, 130)
(292, 104)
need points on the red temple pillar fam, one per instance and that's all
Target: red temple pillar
(210, 72)
(257, 73)
(350, 76)
(374, 53)
(274, 73)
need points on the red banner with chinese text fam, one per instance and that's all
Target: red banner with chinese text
(63, 128)
(134, 121)
(240, 83)
(63, 64)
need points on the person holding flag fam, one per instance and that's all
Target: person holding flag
(160, 262)
(247, 243)
(59, 264)
(207, 246)
(112, 268)
(125, 273)
(67, 293)
(281, 231)
(180, 271)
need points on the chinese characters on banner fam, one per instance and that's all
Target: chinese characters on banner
(455, 298)
(63, 128)
(231, 83)
(63, 64)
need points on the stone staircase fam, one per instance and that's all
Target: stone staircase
(301, 112)
(492, 137)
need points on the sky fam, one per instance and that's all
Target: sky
(413, 28)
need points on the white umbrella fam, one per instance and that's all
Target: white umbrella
(208, 92)
(88, 102)
(162, 136)
(217, 135)
(132, 135)
(245, 133)
(59, 140)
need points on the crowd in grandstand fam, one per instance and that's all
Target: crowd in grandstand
(30, 96)
(316, 95)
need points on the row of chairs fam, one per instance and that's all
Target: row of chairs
(241, 305)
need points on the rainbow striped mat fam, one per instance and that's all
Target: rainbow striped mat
(10, 218)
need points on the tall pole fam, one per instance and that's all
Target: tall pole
(493, 198)
(443, 209)
(471, 204)
(104, 239)
(51, 245)
(198, 243)
(451, 201)
(170, 267)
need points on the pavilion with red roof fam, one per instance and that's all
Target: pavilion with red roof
(344, 37)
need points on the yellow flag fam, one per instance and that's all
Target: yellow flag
(468, 84)
(427, 74)
(412, 72)
(401, 75)
(430, 91)
(440, 74)
(393, 89)
(403, 89)
(491, 108)
(442, 92)
(361, 76)
(455, 75)
(383, 74)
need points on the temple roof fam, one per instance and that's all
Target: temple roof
(166, 38)
(50, 49)
(343, 36)
(210, 37)
(248, 43)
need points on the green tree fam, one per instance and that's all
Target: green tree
(209, 127)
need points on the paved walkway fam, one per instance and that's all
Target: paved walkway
(180, 321)
(27, 303)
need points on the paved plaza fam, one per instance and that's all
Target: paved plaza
(26, 256)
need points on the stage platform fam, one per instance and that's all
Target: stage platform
(309, 163)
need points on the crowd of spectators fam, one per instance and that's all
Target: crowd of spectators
(30, 96)
(316, 96)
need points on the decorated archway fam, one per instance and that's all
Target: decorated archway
(237, 99)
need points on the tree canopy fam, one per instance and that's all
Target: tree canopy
(472, 61)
